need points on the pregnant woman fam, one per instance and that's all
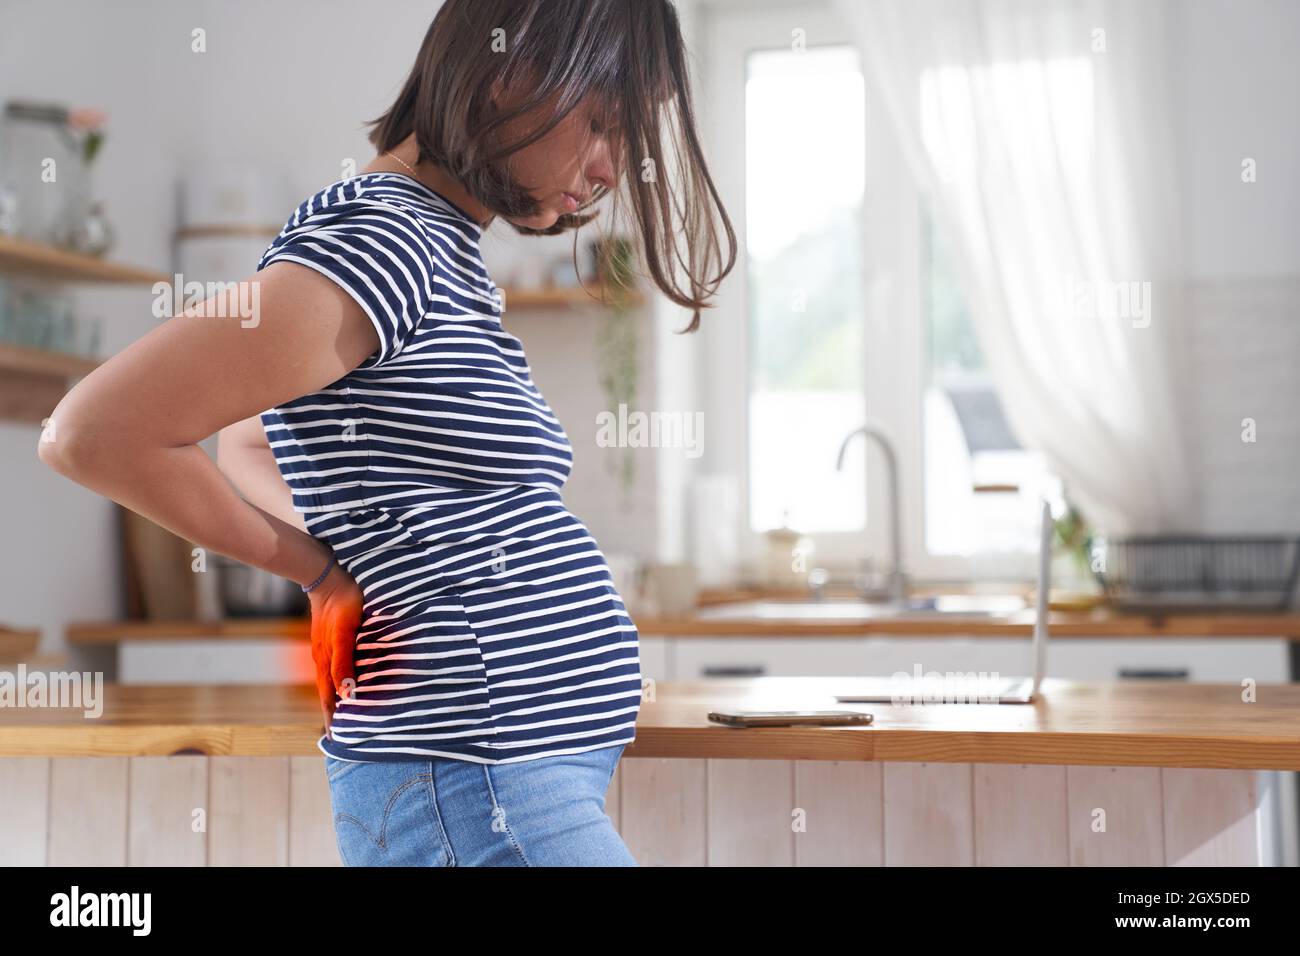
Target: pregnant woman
(478, 672)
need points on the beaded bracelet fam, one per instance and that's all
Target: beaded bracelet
(323, 575)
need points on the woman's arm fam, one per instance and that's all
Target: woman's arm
(245, 457)
(129, 430)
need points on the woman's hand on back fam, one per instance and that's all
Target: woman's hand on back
(336, 605)
(130, 430)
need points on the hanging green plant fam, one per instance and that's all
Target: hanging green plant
(617, 348)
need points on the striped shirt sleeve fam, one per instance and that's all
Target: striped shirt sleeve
(374, 252)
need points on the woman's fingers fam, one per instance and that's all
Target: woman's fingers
(325, 692)
(342, 666)
(345, 619)
(321, 654)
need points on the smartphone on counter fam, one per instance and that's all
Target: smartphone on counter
(790, 718)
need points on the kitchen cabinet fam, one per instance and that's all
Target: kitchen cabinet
(690, 658)
(1186, 777)
(258, 650)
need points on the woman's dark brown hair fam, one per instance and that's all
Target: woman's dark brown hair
(629, 55)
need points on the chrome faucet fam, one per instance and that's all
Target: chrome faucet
(897, 579)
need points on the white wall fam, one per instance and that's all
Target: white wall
(287, 85)
(1237, 70)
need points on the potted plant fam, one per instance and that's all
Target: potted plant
(1073, 538)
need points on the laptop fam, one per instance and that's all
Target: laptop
(964, 689)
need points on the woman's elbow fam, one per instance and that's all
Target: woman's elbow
(75, 447)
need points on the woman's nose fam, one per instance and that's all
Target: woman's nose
(601, 165)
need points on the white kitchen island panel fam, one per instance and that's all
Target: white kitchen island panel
(274, 811)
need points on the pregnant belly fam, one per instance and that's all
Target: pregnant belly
(531, 558)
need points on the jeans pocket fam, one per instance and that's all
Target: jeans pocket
(617, 756)
(384, 815)
(335, 768)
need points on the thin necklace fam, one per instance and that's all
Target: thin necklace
(417, 178)
(400, 160)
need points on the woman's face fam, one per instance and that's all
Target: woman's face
(561, 169)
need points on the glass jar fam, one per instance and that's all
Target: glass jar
(41, 169)
(37, 315)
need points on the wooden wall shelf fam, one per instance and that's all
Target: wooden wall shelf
(18, 645)
(20, 358)
(562, 297)
(36, 260)
(113, 632)
(32, 381)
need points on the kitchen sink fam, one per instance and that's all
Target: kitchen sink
(947, 605)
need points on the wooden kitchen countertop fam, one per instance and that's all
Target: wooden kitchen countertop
(1064, 624)
(1133, 723)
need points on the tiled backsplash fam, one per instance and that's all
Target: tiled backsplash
(1241, 359)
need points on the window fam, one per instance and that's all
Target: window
(980, 485)
(852, 308)
(805, 169)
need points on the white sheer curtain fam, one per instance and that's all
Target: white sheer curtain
(1039, 131)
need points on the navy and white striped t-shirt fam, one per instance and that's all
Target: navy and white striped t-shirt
(491, 629)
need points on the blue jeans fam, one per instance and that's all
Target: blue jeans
(544, 812)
